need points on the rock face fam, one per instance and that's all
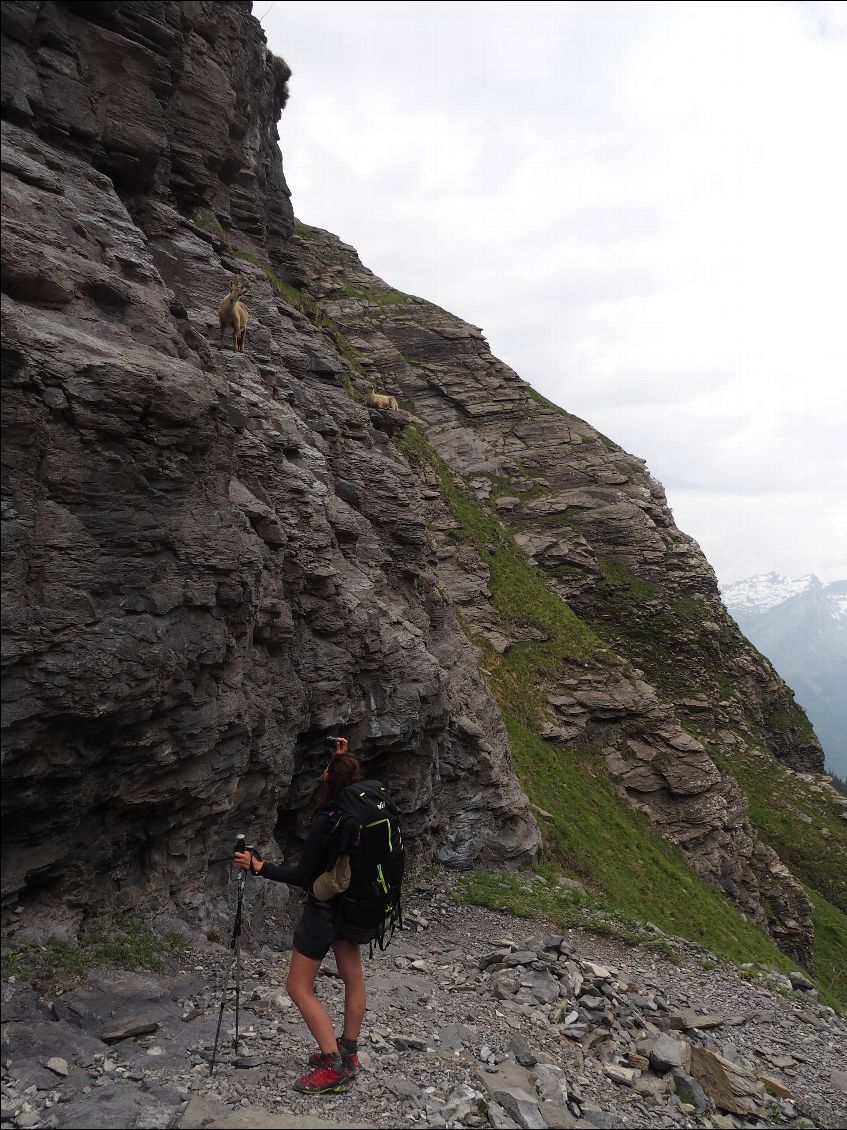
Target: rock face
(212, 560)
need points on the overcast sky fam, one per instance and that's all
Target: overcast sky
(643, 207)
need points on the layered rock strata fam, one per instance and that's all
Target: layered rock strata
(211, 561)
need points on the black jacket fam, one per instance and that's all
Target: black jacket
(313, 859)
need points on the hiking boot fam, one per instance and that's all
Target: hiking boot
(324, 1078)
(350, 1062)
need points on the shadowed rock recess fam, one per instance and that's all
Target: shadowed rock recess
(212, 560)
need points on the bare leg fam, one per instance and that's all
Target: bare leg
(348, 958)
(301, 988)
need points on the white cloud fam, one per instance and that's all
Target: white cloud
(642, 206)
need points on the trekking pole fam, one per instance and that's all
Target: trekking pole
(235, 946)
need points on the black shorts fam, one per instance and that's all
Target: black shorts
(320, 925)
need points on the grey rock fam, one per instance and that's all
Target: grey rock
(28, 1119)
(625, 1076)
(21, 1003)
(499, 1118)
(117, 1005)
(45, 1039)
(454, 1036)
(551, 1082)
(131, 1026)
(688, 1090)
(800, 980)
(666, 1053)
(555, 1115)
(543, 986)
(519, 957)
(126, 312)
(206, 1114)
(403, 1088)
(522, 1052)
(599, 1118)
(540, 942)
(520, 1105)
(122, 1104)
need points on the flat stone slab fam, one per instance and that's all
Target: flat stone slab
(206, 1114)
(702, 1021)
(131, 1026)
(48, 1038)
(775, 1087)
(124, 1105)
(730, 1087)
(520, 1105)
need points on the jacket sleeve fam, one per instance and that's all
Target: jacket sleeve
(312, 860)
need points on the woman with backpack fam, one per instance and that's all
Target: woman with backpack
(336, 1063)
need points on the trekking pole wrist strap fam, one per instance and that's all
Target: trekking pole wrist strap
(254, 855)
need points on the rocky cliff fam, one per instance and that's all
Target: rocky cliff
(210, 563)
(212, 560)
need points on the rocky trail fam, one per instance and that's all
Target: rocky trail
(475, 1018)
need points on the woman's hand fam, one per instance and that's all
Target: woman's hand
(242, 858)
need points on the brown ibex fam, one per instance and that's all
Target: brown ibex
(233, 312)
(379, 400)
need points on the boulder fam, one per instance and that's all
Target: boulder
(730, 1086)
(666, 1053)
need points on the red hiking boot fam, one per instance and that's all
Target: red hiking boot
(351, 1062)
(324, 1078)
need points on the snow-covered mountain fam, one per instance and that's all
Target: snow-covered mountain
(801, 626)
(760, 593)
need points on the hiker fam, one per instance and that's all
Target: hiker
(332, 922)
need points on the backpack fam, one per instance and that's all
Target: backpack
(367, 829)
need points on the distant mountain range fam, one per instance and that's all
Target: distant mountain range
(801, 626)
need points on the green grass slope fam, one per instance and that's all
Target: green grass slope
(591, 832)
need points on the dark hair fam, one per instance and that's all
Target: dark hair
(344, 769)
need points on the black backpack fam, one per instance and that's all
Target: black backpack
(367, 828)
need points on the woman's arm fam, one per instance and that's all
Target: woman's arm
(306, 870)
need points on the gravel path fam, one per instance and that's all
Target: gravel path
(475, 1019)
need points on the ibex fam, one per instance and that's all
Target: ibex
(378, 400)
(233, 312)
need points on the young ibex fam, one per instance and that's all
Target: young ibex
(378, 400)
(233, 312)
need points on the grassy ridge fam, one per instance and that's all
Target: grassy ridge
(519, 595)
(803, 826)
(592, 832)
(829, 959)
(802, 823)
(609, 845)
